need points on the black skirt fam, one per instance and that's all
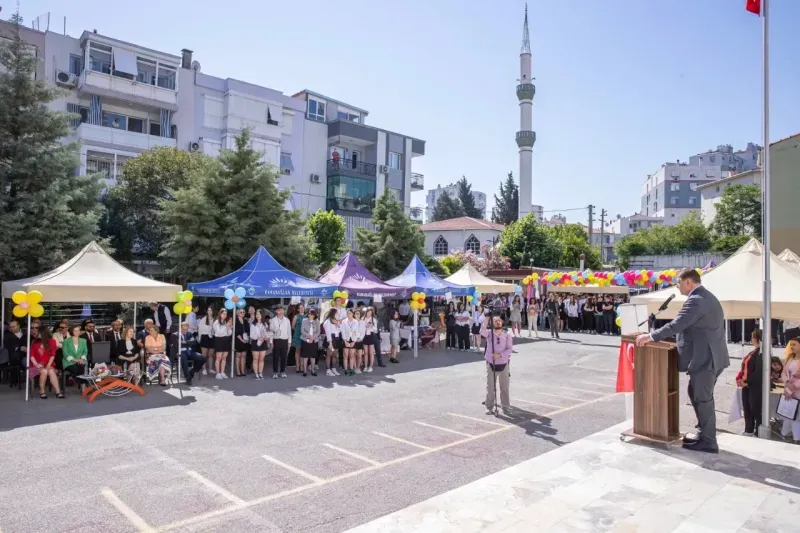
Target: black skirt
(222, 344)
(369, 340)
(308, 350)
(359, 345)
(254, 346)
(476, 329)
(241, 346)
(207, 342)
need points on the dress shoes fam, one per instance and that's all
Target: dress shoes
(701, 446)
(690, 438)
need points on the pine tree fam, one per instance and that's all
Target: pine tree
(467, 199)
(229, 207)
(327, 232)
(506, 207)
(388, 250)
(47, 211)
(447, 208)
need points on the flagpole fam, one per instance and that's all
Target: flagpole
(766, 349)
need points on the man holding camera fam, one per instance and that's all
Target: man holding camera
(499, 346)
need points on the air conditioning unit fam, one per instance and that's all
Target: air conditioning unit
(194, 146)
(66, 79)
(384, 169)
(314, 178)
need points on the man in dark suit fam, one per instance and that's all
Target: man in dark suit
(699, 330)
(91, 335)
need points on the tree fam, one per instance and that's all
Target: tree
(434, 266)
(489, 259)
(738, 212)
(114, 228)
(467, 199)
(228, 208)
(506, 207)
(326, 230)
(447, 208)
(573, 241)
(146, 180)
(688, 235)
(388, 250)
(529, 242)
(47, 211)
(453, 262)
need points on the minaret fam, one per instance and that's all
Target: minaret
(526, 137)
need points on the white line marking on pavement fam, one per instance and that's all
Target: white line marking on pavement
(571, 407)
(479, 420)
(563, 397)
(592, 369)
(351, 454)
(216, 488)
(453, 431)
(536, 403)
(310, 477)
(587, 391)
(402, 441)
(135, 520)
(609, 384)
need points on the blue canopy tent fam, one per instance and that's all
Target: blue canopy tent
(263, 277)
(417, 278)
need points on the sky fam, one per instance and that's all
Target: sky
(621, 86)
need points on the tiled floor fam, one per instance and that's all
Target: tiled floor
(600, 484)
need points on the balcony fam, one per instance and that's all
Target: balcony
(352, 205)
(105, 84)
(417, 182)
(526, 139)
(348, 167)
(131, 140)
(526, 91)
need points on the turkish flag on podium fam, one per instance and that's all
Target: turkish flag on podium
(625, 368)
(753, 6)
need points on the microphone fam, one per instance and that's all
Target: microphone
(666, 303)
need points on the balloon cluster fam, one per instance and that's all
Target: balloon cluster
(340, 294)
(531, 278)
(235, 298)
(476, 295)
(629, 278)
(418, 301)
(183, 303)
(27, 304)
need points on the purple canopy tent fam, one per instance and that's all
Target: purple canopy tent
(351, 276)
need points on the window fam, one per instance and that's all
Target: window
(472, 245)
(146, 71)
(75, 64)
(136, 125)
(394, 160)
(155, 128)
(674, 187)
(345, 114)
(269, 119)
(113, 120)
(673, 200)
(656, 194)
(77, 109)
(166, 77)
(351, 194)
(440, 246)
(693, 186)
(99, 58)
(316, 109)
(655, 207)
(691, 200)
(717, 188)
(712, 157)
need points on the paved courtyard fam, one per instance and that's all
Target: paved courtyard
(303, 454)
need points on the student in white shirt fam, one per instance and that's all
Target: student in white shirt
(370, 331)
(204, 331)
(463, 319)
(360, 333)
(405, 311)
(258, 343)
(222, 330)
(281, 330)
(333, 334)
(478, 319)
(192, 320)
(350, 329)
(341, 316)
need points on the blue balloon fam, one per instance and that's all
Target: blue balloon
(240, 292)
(241, 304)
(477, 294)
(228, 294)
(229, 305)
(575, 277)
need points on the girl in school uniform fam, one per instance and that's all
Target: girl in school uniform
(258, 343)
(359, 347)
(204, 329)
(242, 332)
(309, 336)
(394, 336)
(370, 331)
(222, 331)
(350, 328)
(478, 319)
(333, 336)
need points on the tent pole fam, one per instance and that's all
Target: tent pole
(743, 332)
(416, 336)
(28, 366)
(3, 322)
(135, 306)
(180, 342)
(233, 340)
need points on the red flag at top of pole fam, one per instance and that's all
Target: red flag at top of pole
(753, 6)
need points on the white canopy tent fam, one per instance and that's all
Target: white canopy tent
(468, 275)
(790, 257)
(738, 284)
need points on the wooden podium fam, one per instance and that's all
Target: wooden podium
(655, 396)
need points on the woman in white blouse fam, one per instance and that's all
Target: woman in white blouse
(206, 333)
(333, 334)
(222, 330)
(478, 318)
(370, 331)
(360, 332)
(350, 328)
(258, 343)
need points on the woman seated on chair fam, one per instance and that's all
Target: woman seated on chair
(43, 362)
(128, 353)
(74, 353)
(155, 348)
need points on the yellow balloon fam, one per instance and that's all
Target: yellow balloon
(469, 298)
(34, 297)
(618, 321)
(178, 308)
(18, 311)
(19, 296)
(345, 295)
(187, 295)
(36, 310)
